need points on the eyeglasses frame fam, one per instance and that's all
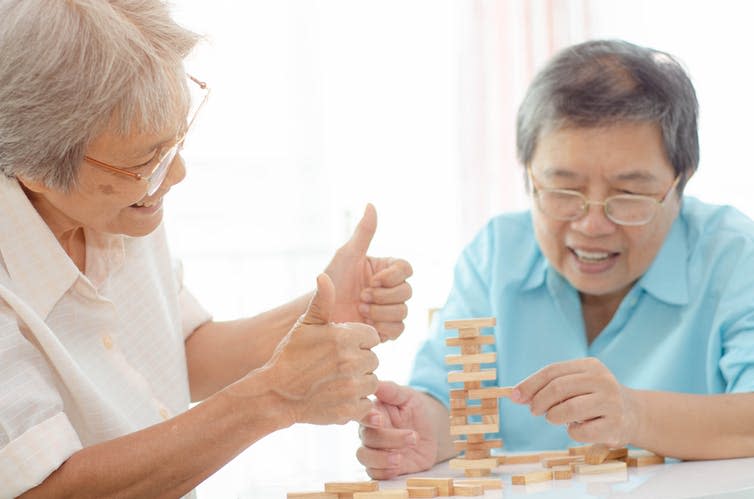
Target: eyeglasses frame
(587, 202)
(170, 151)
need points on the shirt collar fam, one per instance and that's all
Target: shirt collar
(666, 279)
(40, 270)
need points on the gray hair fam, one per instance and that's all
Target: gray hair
(71, 69)
(604, 82)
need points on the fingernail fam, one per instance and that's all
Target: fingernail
(394, 459)
(375, 420)
(410, 439)
(516, 395)
(366, 296)
(364, 308)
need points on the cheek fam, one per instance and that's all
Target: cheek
(550, 236)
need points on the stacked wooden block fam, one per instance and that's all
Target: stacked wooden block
(476, 460)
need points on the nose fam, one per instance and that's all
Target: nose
(176, 172)
(594, 222)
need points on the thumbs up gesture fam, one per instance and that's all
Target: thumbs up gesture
(322, 371)
(368, 289)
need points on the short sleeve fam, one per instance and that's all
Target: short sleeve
(36, 437)
(193, 314)
(737, 360)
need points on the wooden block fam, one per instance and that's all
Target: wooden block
(470, 323)
(475, 438)
(473, 429)
(493, 392)
(487, 444)
(485, 339)
(382, 494)
(476, 454)
(469, 332)
(477, 472)
(578, 451)
(591, 469)
(562, 473)
(444, 485)
(463, 489)
(488, 403)
(479, 358)
(531, 477)
(483, 375)
(462, 464)
(473, 410)
(458, 420)
(518, 458)
(599, 453)
(458, 404)
(312, 495)
(459, 394)
(492, 419)
(369, 486)
(553, 453)
(551, 462)
(472, 385)
(422, 491)
(486, 483)
(636, 458)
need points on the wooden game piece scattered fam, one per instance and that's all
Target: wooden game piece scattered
(579, 450)
(562, 473)
(463, 489)
(312, 495)
(531, 477)
(486, 483)
(551, 462)
(638, 458)
(545, 454)
(422, 491)
(518, 458)
(444, 485)
(368, 486)
(382, 494)
(606, 467)
(599, 453)
(463, 464)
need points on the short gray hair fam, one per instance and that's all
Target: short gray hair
(604, 82)
(71, 68)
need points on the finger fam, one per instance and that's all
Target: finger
(392, 393)
(596, 430)
(383, 474)
(580, 408)
(397, 271)
(356, 333)
(379, 458)
(559, 390)
(373, 419)
(321, 306)
(385, 313)
(364, 232)
(387, 296)
(387, 438)
(529, 387)
(389, 330)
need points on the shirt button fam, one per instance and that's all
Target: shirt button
(107, 342)
(164, 413)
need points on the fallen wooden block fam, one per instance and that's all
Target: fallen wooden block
(463, 464)
(518, 458)
(579, 450)
(599, 453)
(531, 477)
(486, 483)
(553, 453)
(444, 485)
(382, 494)
(638, 458)
(368, 486)
(551, 462)
(606, 467)
(562, 473)
(469, 490)
(418, 491)
(312, 495)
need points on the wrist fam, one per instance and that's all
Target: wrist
(634, 416)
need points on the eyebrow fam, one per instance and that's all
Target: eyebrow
(633, 175)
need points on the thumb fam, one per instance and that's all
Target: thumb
(364, 232)
(321, 307)
(392, 393)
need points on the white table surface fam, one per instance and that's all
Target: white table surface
(304, 457)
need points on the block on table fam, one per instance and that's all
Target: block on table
(532, 477)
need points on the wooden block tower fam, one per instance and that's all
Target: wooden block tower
(476, 460)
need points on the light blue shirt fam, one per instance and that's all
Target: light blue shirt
(687, 325)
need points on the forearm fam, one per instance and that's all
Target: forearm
(439, 417)
(219, 353)
(171, 458)
(695, 426)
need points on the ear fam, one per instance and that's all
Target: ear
(35, 186)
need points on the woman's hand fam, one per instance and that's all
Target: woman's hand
(368, 289)
(584, 395)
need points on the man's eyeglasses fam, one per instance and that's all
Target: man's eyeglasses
(622, 209)
(159, 166)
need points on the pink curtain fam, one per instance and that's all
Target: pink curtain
(502, 44)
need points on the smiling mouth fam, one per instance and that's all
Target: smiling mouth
(592, 256)
(147, 204)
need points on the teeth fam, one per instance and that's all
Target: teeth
(592, 256)
(145, 204)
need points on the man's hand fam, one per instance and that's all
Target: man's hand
(368, 289)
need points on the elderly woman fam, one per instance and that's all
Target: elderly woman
(625, 311)
(101, 347)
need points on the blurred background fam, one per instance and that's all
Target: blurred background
(320, 106)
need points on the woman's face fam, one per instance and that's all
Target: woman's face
(110, 202)
(597, 256)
